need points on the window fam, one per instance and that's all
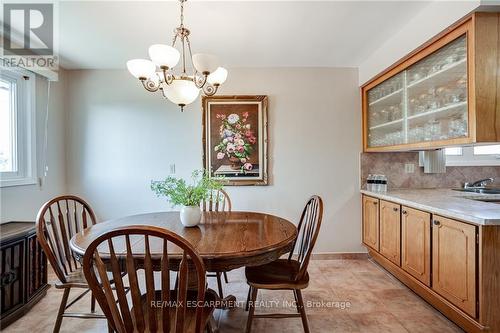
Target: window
(472, 156)
(17, 128)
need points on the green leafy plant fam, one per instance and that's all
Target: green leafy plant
(180, 192)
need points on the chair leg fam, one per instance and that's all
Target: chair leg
(219, 284)
(110, 329)
(302, 311)
(248, 298)
(60, 313)
(296, 300)
(212, 325)
(92, 303)
(225, 277)
(251, 310)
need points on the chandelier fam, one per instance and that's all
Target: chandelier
(181, 89)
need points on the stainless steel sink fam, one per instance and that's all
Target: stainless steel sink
(479, 190)
(490, 200)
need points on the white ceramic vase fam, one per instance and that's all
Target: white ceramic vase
(190, 215)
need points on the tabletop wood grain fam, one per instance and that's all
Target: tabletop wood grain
(225, 240)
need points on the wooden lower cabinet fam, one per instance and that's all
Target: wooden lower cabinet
(416, 244)
(390, 231)
(454, 262)
(453, 265)
(23, 271)
(370, 222)
(12, 274)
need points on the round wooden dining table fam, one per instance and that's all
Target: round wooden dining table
(225, 240)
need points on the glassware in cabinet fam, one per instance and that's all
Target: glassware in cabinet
(437, 95)
(385, 112)
(425, 102)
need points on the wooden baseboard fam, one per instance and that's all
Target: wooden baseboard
(339, 255)
(442, 305)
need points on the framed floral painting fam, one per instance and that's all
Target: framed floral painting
(235, 138)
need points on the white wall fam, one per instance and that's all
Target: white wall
(21, 203)
(120, 137)
(428, 22)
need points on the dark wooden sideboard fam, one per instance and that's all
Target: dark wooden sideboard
(23, 270)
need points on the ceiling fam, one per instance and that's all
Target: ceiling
(106, 34)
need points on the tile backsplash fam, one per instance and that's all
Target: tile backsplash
(393, 166)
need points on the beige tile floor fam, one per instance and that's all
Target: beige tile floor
(343, 296)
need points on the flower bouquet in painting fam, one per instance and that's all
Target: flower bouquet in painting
(235, 138)
(236, 141)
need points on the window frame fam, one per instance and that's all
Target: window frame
(468, 158)
(25, 128)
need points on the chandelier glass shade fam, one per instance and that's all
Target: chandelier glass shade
(182, 89)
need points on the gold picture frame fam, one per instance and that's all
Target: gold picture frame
(235, 138)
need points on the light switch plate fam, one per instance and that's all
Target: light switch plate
(409, 168)
(172, 169)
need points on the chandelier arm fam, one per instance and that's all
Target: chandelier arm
(183, 55)
(199, 80)
(210, 90)
(168, 78)
(174, 39)
(149, 85)
(163, 93)
(190, 53)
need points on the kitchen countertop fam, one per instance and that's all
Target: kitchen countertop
(446, 202)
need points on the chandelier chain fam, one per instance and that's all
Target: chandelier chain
(182, 13)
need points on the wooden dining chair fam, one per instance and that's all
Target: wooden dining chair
(159, 309)
(218, 201)
(58, 220)
(291, 273)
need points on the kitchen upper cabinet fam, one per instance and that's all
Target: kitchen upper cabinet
(454, 262)
(390, 231)
(444, 93)
(371, 222)
(416, 244)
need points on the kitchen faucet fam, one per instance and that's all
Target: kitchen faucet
(479, 183)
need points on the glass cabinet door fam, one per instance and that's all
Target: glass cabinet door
(385, 113)
(425, 102)
(437, 94)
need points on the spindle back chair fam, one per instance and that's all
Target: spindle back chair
(160, 309)
(308, 231)
(290, 273)
(58, 220)
(218, 201)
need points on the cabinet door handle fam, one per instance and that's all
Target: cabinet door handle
(405, 212)
(395, 209)
(375, 203)
(436, 222)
